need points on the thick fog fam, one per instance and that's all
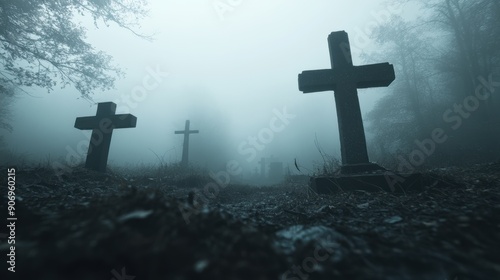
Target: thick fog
(230, 67)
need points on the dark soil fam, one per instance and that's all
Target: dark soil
(95, 226)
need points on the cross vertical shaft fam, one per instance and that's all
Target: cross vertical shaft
(352, 135)
(97, 155)
(185, 146)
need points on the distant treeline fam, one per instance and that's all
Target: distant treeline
(444, 107)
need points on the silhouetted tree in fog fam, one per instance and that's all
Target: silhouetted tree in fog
(41, 45)
(442, 58)
(472, 60)
(402, 114)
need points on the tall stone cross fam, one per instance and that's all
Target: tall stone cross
(102, 125)
(344, 79)
(185, 146)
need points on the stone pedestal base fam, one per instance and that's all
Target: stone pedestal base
(371, 182)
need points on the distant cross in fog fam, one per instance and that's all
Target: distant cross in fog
(185, 146)
(344, 79)
(102, 125)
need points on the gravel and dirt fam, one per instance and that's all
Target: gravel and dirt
(88, 225)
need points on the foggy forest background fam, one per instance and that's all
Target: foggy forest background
(441, 59)
(447, 63)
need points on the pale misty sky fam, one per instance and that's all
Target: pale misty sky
(227, 72)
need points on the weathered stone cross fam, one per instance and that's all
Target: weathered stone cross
(102, 126)
(344, 79)
(185, 146)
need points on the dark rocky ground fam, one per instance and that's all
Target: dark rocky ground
(93, 226)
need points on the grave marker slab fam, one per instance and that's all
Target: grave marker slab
(185, 146)
(102, 125)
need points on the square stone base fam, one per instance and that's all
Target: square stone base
(362, 168)
(370, 182)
